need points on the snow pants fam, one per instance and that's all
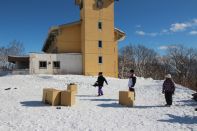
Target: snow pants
(132, 90)
(100, 91)
(168, 97)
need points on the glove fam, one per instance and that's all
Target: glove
(95, 84)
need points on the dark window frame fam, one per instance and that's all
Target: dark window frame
(42, 64)
(100, 60)
(56, 65)
(100, 25)
(100, 44)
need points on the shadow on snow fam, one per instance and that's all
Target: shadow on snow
(117, 105)
(33, 104)
(153, 106)
(100, 99)
(45, 77)
(86, 96)
(180, 119)
(189, 102)
(111, 105)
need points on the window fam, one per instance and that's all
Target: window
(100, 60)
(100, 25)
(42, 64)
(56, 65)
(100, 44)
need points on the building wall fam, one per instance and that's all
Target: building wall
(90, 35)
(69, 39)
(83, 38)
(70, 63)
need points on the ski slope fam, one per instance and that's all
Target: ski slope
(21, 108)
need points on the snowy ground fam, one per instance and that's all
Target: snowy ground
(21, 109)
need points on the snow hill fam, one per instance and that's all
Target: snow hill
(21, 109)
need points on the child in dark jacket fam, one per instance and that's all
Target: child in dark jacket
(196, 91)
(168, 89)
(132, 81)
(100, 81)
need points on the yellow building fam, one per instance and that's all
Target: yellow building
(94, 36)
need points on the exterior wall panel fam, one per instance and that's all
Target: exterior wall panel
(69, 63)
(91, 16)
(69, 39)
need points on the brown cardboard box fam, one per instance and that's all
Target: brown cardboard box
(52, 96)
(131, 95)
(45, 94)
(72, 87)
(126, 98)
(67, 98)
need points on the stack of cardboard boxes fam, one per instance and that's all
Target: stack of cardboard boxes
(51, 96)
(126, 98)
(68, 97)
(56, 97)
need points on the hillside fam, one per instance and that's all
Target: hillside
(21, 108)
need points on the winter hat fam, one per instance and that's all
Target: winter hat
(100, 73)
(168, 76)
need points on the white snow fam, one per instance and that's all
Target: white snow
(21, 109)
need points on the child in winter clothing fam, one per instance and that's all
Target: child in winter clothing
(100, 81)
(196, 91)
(132, 81)
(195, 94)
(168, 89)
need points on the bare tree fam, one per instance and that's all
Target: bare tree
(3, 57)
(183, 63)
(13, 48)
(125, 60)
(145, 58)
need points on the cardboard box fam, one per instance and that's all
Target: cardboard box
(126, 98)
(45, 94)
(52, 96)
(131, 95)
(72, 88)
(67, 98)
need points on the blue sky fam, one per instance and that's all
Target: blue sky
(157, 24)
